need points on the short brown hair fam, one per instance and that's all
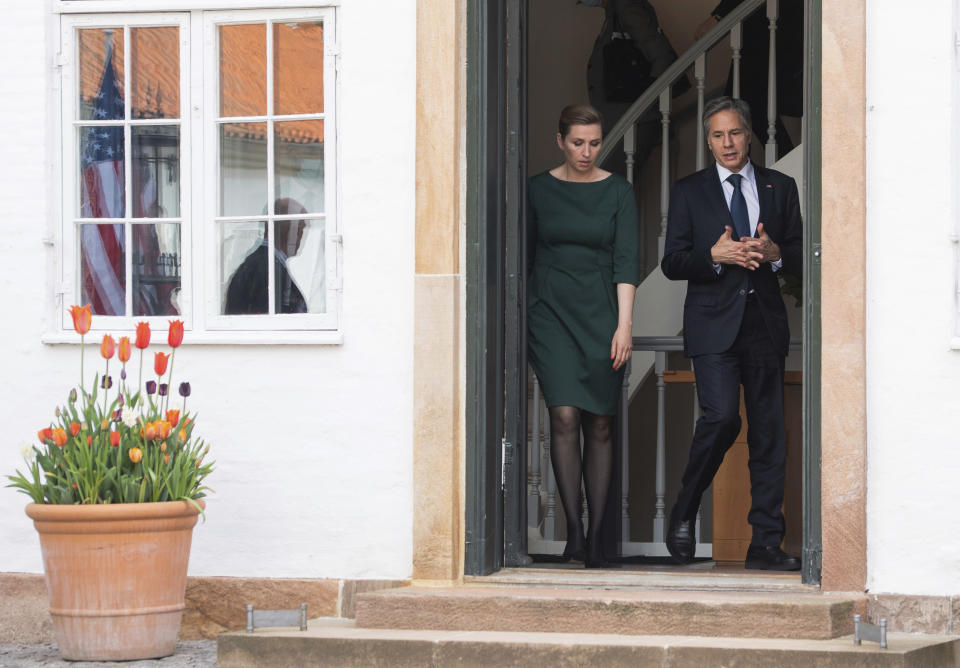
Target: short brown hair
(578, 114)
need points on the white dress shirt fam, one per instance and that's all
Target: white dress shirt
(748, 185)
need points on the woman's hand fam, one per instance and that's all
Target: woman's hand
(622, 346)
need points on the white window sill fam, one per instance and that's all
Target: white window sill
(955, 343)
(222, 338)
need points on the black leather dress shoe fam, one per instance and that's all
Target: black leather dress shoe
(682, 541)
(770, 558)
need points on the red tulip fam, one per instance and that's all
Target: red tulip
(45, 435)
(74, 428)
(114, 438)
(143, 335)
(107, 346)
(123, 350)
(81, 318)
(160, 363)
(173, 417)
(60, 437)
(175, 335)
(89, 440)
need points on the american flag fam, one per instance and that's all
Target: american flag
(102, 196)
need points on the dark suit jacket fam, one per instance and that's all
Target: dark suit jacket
(639, 19)
(714, 305)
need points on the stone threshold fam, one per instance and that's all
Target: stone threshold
(664, 578)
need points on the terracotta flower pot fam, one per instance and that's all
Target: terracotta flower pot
(116, 576)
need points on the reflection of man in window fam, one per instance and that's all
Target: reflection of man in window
(247, 292)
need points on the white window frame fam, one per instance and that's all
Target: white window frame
(199, 180)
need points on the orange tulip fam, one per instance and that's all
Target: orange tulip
(149, 431)
(173, 417)
(123, 350)
(107, 346)
(89, 440)
(166, 459)
(175, 335)
(163, 447)
(182, 435)
(74, 428)
(160, 363)
(114, 438)
(81, 318)
(143, 335)
(60, 437)
(45, 435)
(135, 455)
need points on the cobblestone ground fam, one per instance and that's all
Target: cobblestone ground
(194, 654)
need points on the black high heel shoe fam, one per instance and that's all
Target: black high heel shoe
(575, 550)
(594, 557)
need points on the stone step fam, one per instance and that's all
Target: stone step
(626, 611)
(345, 645)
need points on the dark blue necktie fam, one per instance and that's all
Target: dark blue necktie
(738, 208)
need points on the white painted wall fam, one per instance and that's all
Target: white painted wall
(913, 379)
(313, 443)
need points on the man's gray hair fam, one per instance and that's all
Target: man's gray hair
(725, 103)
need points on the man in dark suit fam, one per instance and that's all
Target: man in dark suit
(732, 228)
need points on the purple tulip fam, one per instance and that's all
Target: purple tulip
(106, 382)
(163, 390)
(184, 389)
(123, 374)
(151, 386)
(73, 395)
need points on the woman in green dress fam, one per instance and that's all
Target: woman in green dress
(583, 243)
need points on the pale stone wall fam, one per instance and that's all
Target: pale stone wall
(913, 378)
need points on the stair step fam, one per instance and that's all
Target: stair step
(627, 611)
(343, 644)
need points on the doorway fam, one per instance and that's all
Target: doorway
(502, 37)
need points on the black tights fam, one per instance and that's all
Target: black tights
(566, 423)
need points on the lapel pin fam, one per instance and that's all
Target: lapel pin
(769, 186)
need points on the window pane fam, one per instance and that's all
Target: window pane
(101, 171)
(100, 52)
(156, 171)
(243, 70)
(298, 68)
(298, 174)
(243, 169)
(301, 287)
(102, 273)
(155, 72)
(156, 269)
(243, 263)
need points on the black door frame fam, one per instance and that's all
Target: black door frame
(496, 366)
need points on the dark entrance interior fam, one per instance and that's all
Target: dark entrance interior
(508, 98)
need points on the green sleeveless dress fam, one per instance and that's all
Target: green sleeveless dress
(583, 239)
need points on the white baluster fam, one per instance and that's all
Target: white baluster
(625, 451)
(700, 74)
(550, 511)
(664, 166)
(736, 43)
(630, 149)
(533, 484)
(771, 149)
(659, 517)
